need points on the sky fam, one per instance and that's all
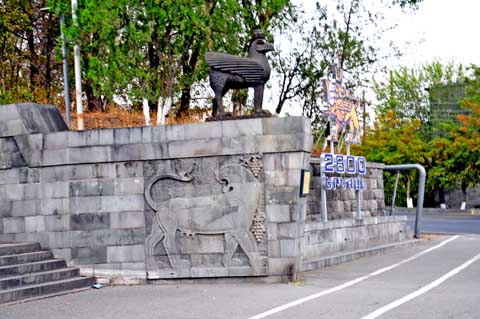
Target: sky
(445, 30)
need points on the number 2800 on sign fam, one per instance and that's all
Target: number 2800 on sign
(344, 164)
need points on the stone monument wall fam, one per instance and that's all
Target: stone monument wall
(215, 199)
(183, 201)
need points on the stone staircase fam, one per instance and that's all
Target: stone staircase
(27, 271)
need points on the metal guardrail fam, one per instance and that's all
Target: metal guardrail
(400, 200)
(421, 190)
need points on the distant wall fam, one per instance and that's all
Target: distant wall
(454, 198)
(341, 204)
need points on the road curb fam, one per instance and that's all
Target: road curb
(48, 296)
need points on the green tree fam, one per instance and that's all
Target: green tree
(346, 29)
(394, 141)
(155, 49)
(456, 154)
(447, 146)
(28, 68)
(406, 90)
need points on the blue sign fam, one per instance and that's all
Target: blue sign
(344, 164)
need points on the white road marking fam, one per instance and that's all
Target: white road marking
(349, 283)
(422, 290)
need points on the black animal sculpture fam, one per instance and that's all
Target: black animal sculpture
(233, 72)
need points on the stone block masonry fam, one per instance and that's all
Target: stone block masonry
(215, 199)
(347, 235)
(341, 204)
(82, 194)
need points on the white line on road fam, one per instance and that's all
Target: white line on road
(421, 291)
(349, 283)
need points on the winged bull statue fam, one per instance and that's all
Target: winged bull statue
(234, 72)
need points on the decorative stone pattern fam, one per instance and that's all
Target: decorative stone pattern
(341, 204)
(220, 220)
(253, 162)
(258, 227)
(82, 194)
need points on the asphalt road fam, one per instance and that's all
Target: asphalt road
(446, 223)
(437, 278)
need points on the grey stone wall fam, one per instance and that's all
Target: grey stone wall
(341, 203)
(344, 232)
(454, 198)
(344, 235)
(212, 199)
(82, 194)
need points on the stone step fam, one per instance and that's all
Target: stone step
(38, 266)
(38, 277)
(18, 248)
(29, 291)
(25, 258)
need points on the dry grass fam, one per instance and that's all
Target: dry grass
(117, 118)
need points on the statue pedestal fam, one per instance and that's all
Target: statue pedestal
(225, 199)
(216, 199)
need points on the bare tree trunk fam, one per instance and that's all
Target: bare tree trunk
(94, 103)
(239, 98)
(188, 67)
(31, 49)
(409, 199)
(49, 52)
(164, 105)
(146, 112)
(464, 193)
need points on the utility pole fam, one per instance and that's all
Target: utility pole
(78, 72)
(66, 87)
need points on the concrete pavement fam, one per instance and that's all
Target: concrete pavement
(406, 272)
(438, 221)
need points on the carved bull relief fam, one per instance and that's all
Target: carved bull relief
(228, 211)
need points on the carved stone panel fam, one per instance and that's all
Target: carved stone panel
(206, 219)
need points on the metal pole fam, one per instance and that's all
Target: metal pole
(323, 192)
(358, 203)
(78, 73)
(332, 142)
(394, 193)
(66, 86)
(421, 190)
